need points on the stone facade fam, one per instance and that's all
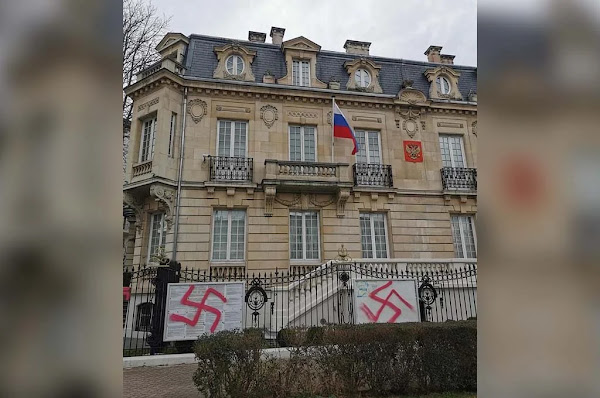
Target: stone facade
(417, 208)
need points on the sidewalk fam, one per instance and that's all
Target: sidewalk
(160, 381)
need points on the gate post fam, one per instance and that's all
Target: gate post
(164, 276)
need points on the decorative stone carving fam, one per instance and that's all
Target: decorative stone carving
(197, 109)
(474, 128)
(241, 109)
(410, 124)
(449, 124)
(450, 74)
(342, 198)
(366, 119)
(310, 115)
(289, 203)
(137, 207)
(234, 48)
(166, 197)
(412, 96)
(423, 125)
(313, 201)
(269, 196)
(329, 117)
(268, 114)
(369, 66)
(148, 104)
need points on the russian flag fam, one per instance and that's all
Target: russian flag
(341, 128)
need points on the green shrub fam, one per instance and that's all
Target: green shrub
(229, 364)
(342, 360)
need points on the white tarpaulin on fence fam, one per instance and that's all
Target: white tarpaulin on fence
(386, 301)
(194, 309)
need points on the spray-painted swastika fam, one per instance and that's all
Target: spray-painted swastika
(374, 317)
(200, 307)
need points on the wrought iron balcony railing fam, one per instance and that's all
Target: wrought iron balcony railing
(378, 175)
(459, 179)
(223, 168)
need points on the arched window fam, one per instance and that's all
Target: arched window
(443, 85)
(143, 316)
(235, 65)
(362, 78)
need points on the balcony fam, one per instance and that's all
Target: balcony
(231, 169)
(459, 179)
(373, 175)
(166, 63)
(298, 174)
(142, 168)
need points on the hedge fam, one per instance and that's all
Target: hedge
(373, 359)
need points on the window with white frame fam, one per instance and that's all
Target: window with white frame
(304, 235)
(301, 73)
(303, 143)
(443, 85)
(147, 139)
(143, 317)
(158, 236)
(232, 139)
(362, 78)
(452, 150)
(463, 236)
(172, 133)
(235, 65)
(373, 235)
(229, 235)
(369, 147)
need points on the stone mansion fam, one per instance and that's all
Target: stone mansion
(230, 163)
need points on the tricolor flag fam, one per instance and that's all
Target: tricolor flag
(341, 128)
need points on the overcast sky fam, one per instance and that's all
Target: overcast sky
(396, 28)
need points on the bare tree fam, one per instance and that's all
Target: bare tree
(142, 30)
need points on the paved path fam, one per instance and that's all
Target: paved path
(160, 381)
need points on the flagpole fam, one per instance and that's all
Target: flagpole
(332, 126)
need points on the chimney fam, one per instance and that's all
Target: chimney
(447, 59)
(357, 47)
(257, 37)
(277, 35)
(433, 54)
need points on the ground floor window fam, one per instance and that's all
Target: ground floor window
(229, 235)
(373, 235)
(304, 236)
(463, 236)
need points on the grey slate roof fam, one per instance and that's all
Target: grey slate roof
(201, 62)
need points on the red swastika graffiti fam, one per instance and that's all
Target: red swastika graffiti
(385, 303)
(200, 306)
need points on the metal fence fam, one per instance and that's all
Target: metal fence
(300, 297)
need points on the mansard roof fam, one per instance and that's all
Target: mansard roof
(201, 63)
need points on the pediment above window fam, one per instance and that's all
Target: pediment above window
(371, 68)
(236, 50)
(443, 83)
(300, 43)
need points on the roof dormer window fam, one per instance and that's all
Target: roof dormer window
(362, 78)
(443, 85)
(301, 73)
(235, 65)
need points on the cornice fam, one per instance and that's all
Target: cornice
(312, 95)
